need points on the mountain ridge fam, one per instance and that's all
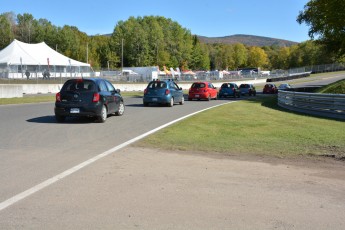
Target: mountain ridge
(249, 40)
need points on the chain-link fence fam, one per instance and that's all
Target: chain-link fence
(62, 73)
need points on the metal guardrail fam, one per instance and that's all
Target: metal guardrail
(325, 105)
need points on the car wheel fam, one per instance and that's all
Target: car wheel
(182, 101)
(146, 104)
(171, 104)
(60, 118)
(121, 110)
(103, 117)
(190, 99)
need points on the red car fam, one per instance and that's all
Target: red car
(270, 88)
(202, 90)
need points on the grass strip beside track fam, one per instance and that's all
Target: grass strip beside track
(256, 126)
(49, 98)
(27, 99)
(335, 88)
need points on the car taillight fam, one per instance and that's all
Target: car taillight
(95, 97)
(167, 92)
(58, 97)
(145, 91)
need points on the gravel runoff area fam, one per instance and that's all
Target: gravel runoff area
(138, 188)
(184, 190)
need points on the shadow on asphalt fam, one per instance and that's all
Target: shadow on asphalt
(69, 120)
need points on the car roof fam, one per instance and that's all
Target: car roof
(205, 82)
(87, 79)
(165, 80)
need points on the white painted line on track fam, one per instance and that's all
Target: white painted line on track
(74, 169)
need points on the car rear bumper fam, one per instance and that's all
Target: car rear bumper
(79, 111)
(227, 94)
(157, 100)
(198, 96)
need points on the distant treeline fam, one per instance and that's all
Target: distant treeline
(155, 41)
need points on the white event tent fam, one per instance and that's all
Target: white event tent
(19, 58)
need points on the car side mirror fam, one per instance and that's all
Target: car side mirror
(180, 88)
(118, 91)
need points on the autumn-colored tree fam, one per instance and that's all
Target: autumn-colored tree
(257, 57)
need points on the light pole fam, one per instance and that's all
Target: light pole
(121, 57)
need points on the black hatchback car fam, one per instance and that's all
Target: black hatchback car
(91, 97)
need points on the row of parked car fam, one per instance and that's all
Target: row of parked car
(96, 97)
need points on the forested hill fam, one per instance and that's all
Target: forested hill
(249, 40)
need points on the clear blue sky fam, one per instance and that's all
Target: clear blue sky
(211, 18)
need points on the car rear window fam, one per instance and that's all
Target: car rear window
(79, 86)
(244, 86)
(198, 85)
(157, 84)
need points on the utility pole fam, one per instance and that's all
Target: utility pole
(87, 52)
(122, 57)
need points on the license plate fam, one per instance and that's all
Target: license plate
(154, 99)
(197, 95)
(74, 110)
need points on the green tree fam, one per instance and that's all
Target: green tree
(100, 53)
(199, 58)
(152, 41)
(46, 32)
(325, 19)
(26, 27)
(72, 43)
(6, 32)
(257, 57)
(295, 56)
(221, 56)
(282, 61)
(240, 55)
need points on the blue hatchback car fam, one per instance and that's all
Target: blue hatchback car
(229, 90)
(165, 92)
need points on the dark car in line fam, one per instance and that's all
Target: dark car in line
(248, 89)
(202, 90)
(88, 97)
(270, 89)
(229, 90)
(164, 92)
(284, 86)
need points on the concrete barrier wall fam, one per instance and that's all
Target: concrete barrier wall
(41, 88)
(8, 91)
